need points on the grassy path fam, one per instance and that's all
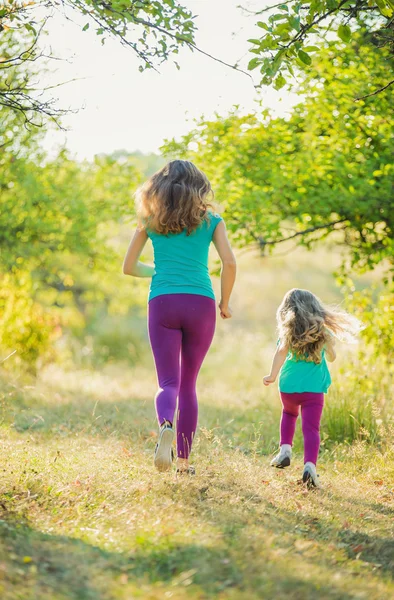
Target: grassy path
(84, 516)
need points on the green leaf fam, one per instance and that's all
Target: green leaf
(344, 33)
(253, 64)
(384, 7)
(279, 82)
(277, 17)
(30, 27)
(304, 57)
(295, 22)
(254, 41)
(263, 25)
(85, 27)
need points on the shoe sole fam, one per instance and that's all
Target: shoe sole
(283, 463)
(163, 455)
(308, 479)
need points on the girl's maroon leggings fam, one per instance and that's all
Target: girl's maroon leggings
(181, 328)
(311, 404)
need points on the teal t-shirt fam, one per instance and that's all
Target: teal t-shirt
(181, 261)
(299, 376)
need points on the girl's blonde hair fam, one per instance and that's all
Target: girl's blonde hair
(174, 199)
(305, 324)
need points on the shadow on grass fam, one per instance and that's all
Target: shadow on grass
(45, 566)
(292, 529)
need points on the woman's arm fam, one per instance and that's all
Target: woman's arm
(278, 360)
(229, 268)
(131, 264)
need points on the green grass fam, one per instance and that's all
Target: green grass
(85, 516)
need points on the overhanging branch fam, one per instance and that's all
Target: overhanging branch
(378, 91)
(263, 243)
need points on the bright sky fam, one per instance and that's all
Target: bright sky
(122, 108)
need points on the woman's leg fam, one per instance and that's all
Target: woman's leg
(311, 411)
(165, 339)
(198, 327)
(289, 417)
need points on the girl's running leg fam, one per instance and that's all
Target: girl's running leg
(311, 411)
(291, 404)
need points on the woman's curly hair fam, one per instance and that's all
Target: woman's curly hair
(174, 199)
(305, 325)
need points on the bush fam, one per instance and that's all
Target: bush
(357, 407)
(377, 316)
(25, 327)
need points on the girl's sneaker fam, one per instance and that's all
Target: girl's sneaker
(163, 452)
(283, 458)
(309, 476)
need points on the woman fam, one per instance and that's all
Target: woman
(176, 216)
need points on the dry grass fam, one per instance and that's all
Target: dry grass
(85, 516)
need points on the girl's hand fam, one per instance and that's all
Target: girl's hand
(268, 379)
(225, 311)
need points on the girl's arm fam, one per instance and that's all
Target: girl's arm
(330, 349)
(278, 360)
(229, 268)
(131, 264)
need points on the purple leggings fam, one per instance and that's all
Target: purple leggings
(311, 410)
(181, 328)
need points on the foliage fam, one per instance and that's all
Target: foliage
(289, 37)
(25, 327)
(327, 168)
(59, 206)
(154, 30)
(378, 314)
(56, 225)
(20, 87)
(55, 235)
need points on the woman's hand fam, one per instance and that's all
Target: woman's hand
(268, 379)
(225, 311)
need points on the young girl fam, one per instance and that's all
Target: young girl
(307, 331)
(176, 216)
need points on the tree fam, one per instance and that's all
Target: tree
(55, 232)
(328, 168)
(20, 88)
(293, 29)
(153, 30)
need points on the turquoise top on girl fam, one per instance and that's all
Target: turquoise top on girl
(298, 376)
(181, 261)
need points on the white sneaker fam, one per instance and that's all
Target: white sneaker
(283, 458)
(163, 452)
(309, 476)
